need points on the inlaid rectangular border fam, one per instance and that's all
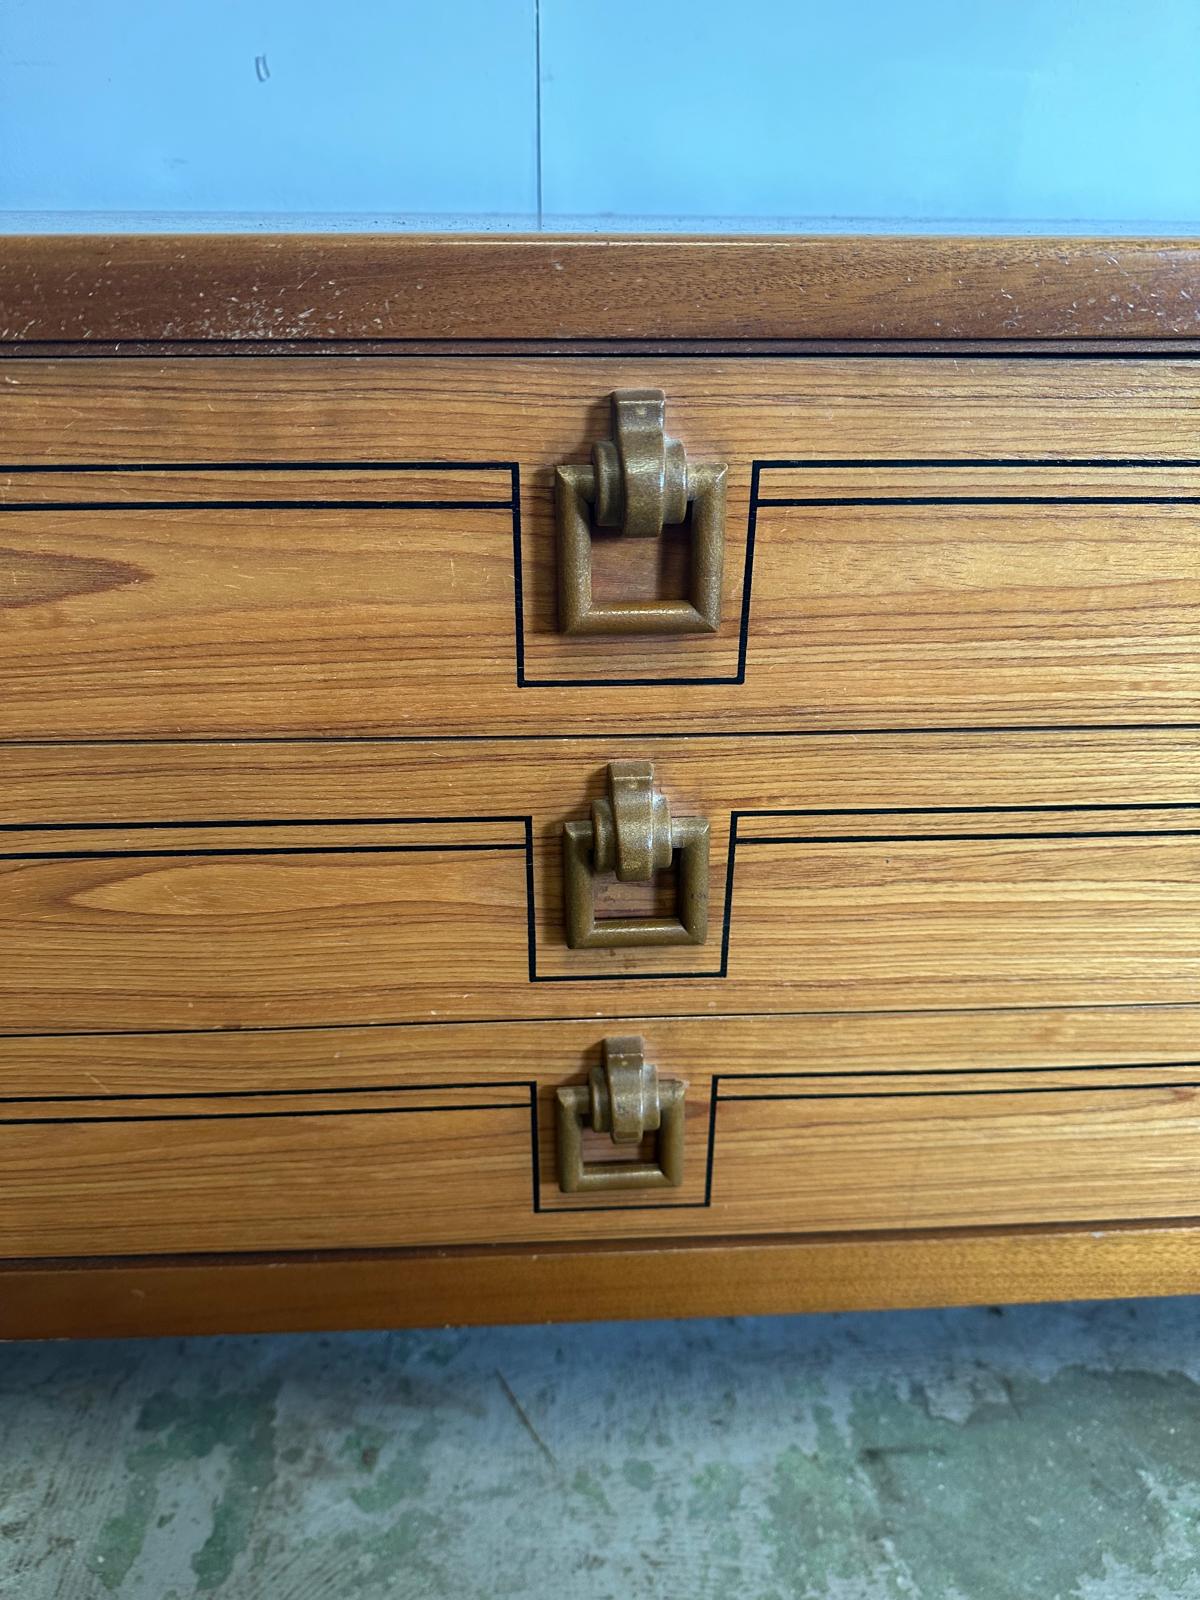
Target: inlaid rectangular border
(980, 823)
(27, 472)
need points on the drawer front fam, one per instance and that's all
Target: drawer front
(438, 1135)
(908, 543)
(879, 873)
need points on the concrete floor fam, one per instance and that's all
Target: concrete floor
(1036, 1454)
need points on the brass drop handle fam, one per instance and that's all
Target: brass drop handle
(633, 835)
(626, 1099)
(640, 481)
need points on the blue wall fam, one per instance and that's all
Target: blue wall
(898, 114)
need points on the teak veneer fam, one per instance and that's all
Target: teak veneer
(269, 547)
(290, 731)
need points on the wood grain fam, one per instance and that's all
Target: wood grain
(304, 561)
(984, 921)
(312, 601)
(303, 1060)
(89, 1177)
(818, 1152)
(898, 872)
(254, 287)
(300, 782)
(242, 936)
(125, 620)
(957, 1151)
(432, 1288)
(158, 1142)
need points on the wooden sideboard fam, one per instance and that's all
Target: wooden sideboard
(551, 778)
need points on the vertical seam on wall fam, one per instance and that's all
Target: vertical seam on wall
(537, 100)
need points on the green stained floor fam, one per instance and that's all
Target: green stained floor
(1035, 1453)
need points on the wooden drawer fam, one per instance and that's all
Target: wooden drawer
(889, 873)
(260, 546)
(355, 1138)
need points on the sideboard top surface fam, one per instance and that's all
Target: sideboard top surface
(371, 287)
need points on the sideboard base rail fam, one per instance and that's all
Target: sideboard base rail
(503, 1285)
